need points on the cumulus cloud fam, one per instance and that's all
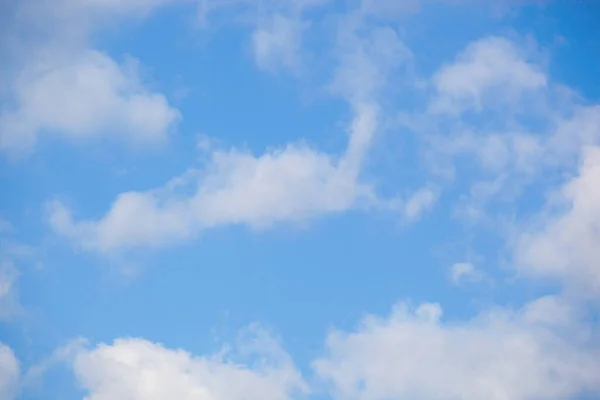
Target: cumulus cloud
(539, 352)
(544, 350)
(511, 150)
(493, 78)
(564, 244)
(544, 122)
(573, 132)
(139, 369)
(9, 373)
(97, 98)
(495, 119)
(53, 60)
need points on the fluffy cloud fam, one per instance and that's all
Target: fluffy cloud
(565, 242)
(9, 373)
(512, 149)
(544, 350)
(98, 97)
(291, 184)
(138, 369)
(494, 104)
(539, 352)
(532, 126)
(496, 118)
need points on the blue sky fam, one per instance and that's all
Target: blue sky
(309, 199)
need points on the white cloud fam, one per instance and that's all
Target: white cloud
(540, 352)
(506, 163)
(495, 153)
(58, 85)
(489, 70)
(286, 185)
(573, 132)
(289, 184)
(544, 350)
(566, 243)
(515, 103)
(9, 373)
(464, 271)
(138, 369)
(496, 119)
(512, 151)
(97, 98)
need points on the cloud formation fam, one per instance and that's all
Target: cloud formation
(285, 185)
(564, 243)
(544, 350)
(539, 352)
(489, 70)
(98, 97)
(138, 369)
(289, 184)
(494, 120)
